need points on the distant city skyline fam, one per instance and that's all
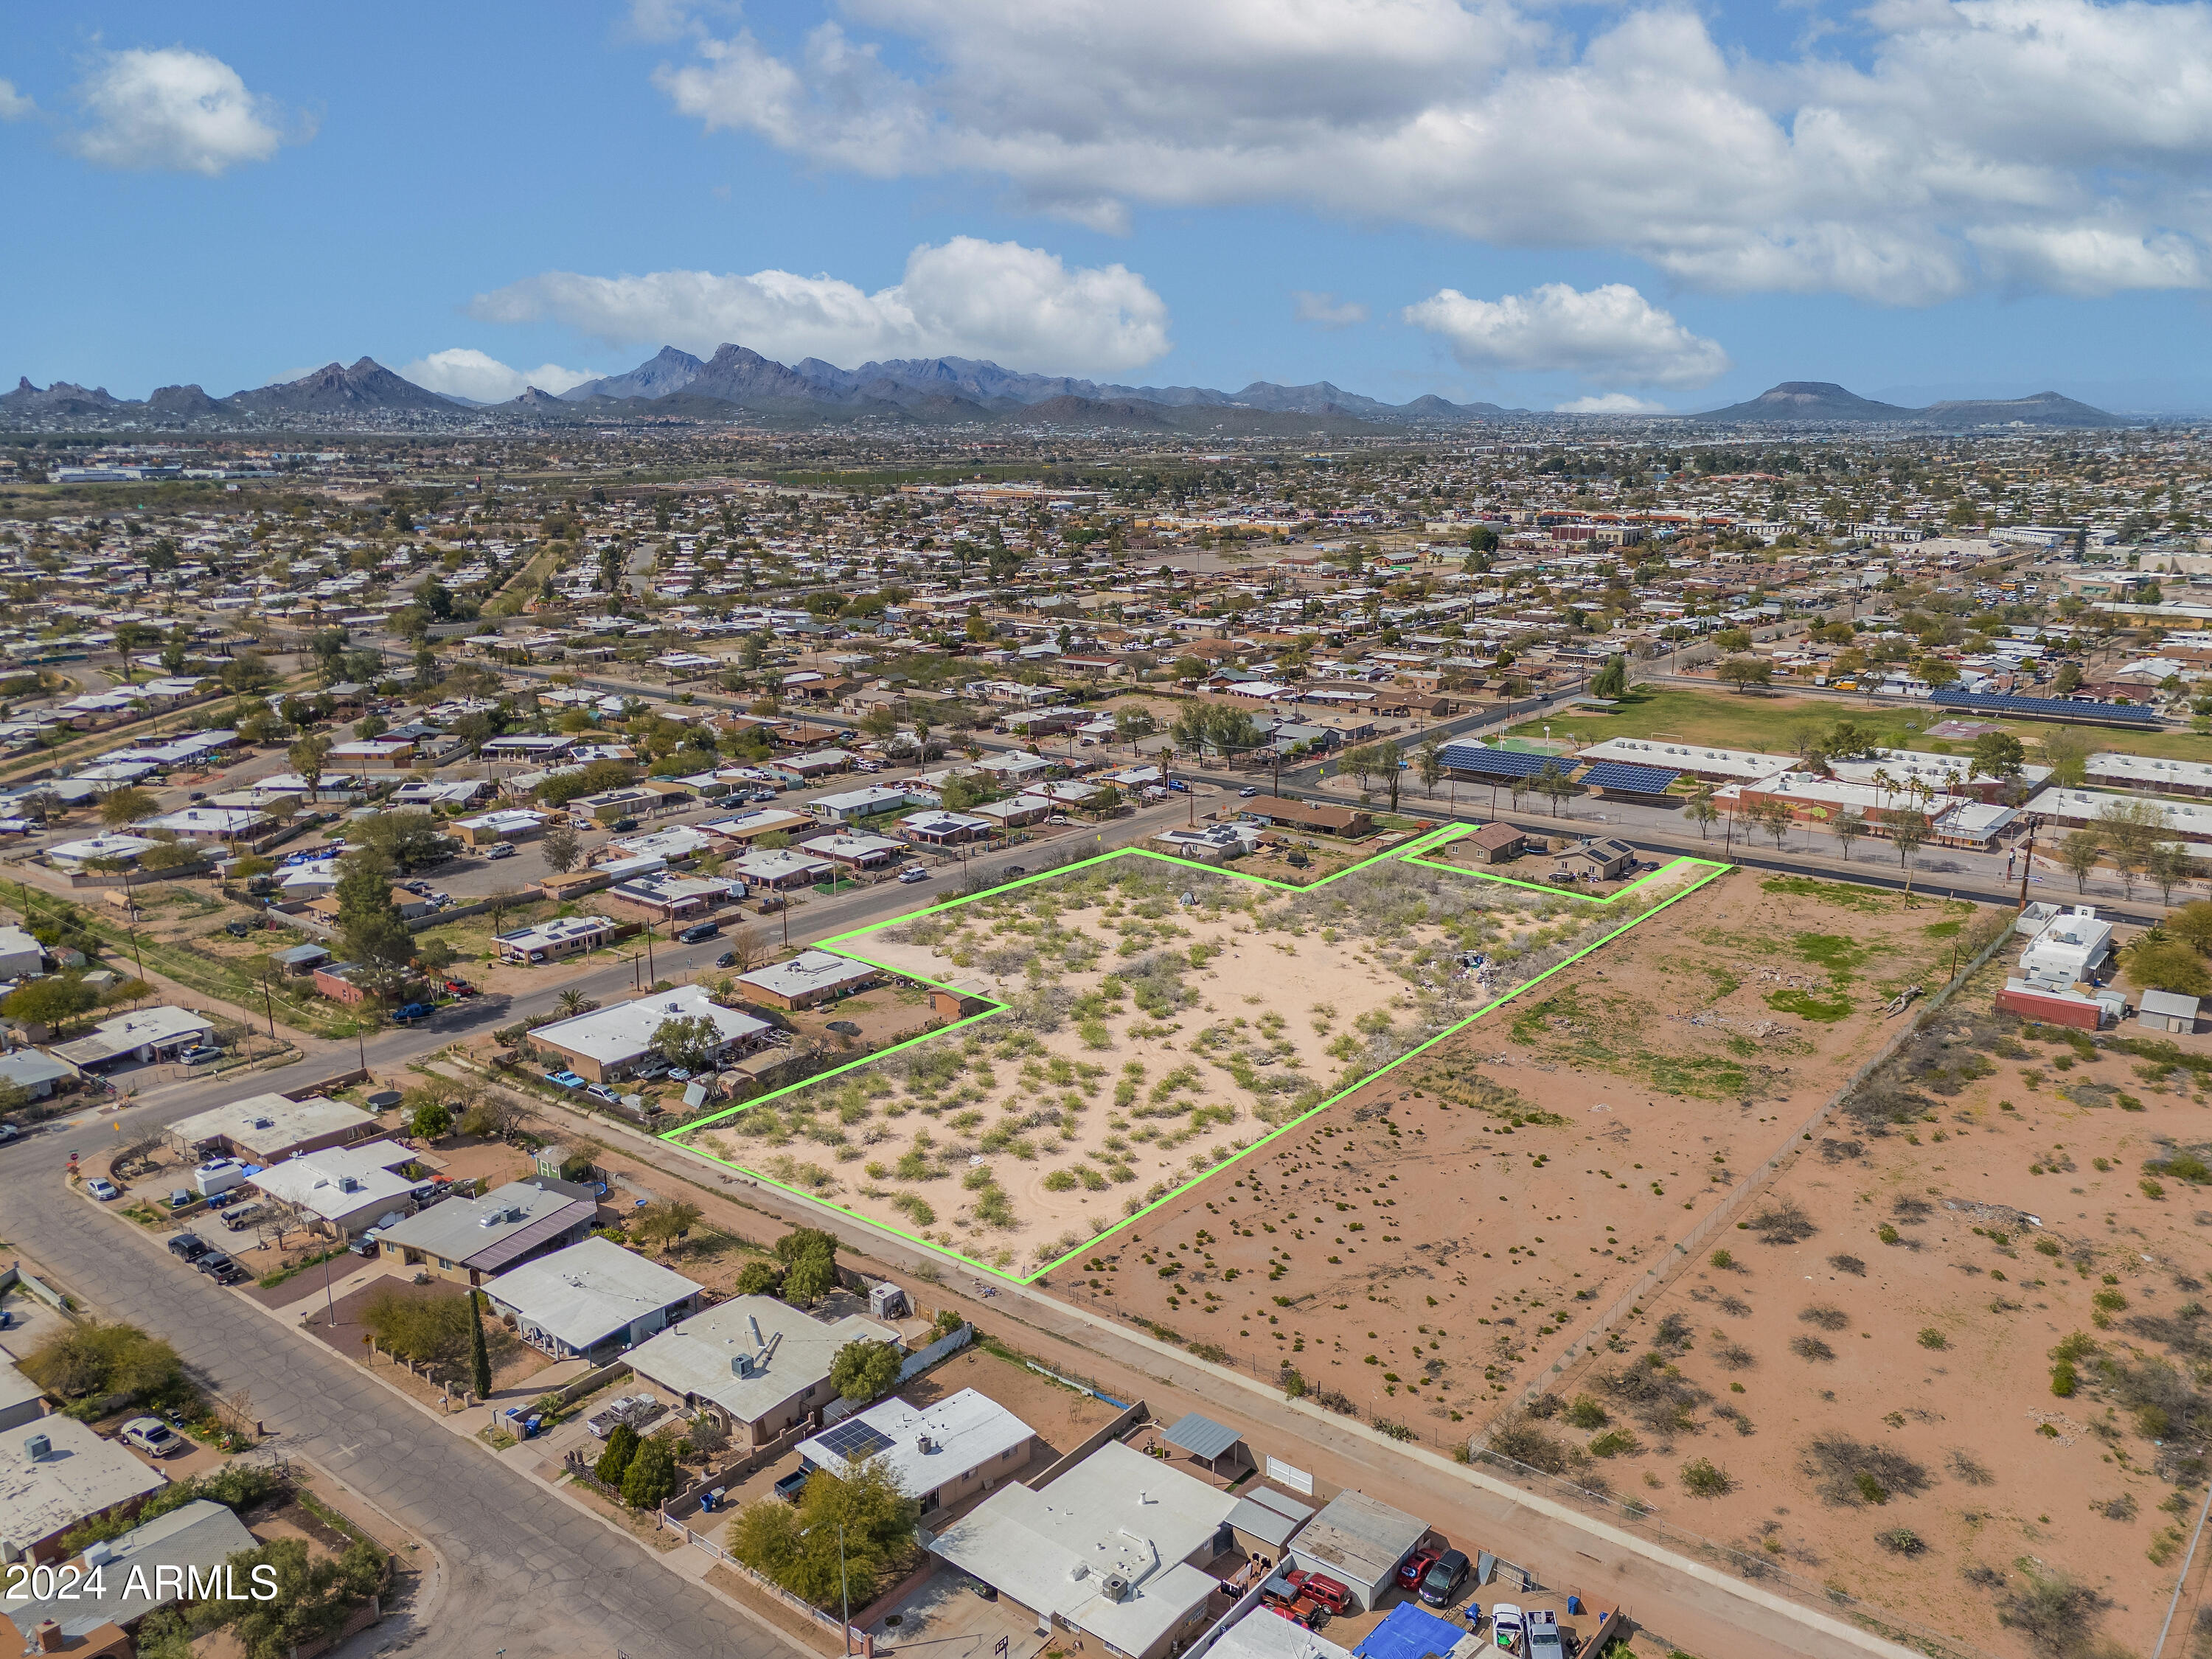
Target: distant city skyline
(1631, 211)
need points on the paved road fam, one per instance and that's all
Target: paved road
(526, 1572)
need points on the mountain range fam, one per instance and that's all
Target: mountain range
(736, 383)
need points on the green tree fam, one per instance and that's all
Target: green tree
(1847, 828)
(689, 1040)
(810, 1259)
(1554, 784)
(1700, 810)
(561, 848)
(1429, 762)
(2169, 865)
(865, 1369)
(650, 1480)
(1743, 672)
(52, 1002)
(614, 1461)
(2156, 963)
(667, 1223)
(307, 755)
(433, 1119)
(370, 927)
(760, 1277)
(2081, 852)
(479, 1354)
(1612, 680)
(1908, 833)
(411, 840)
(1997, 755)
(2193, 922)
(838, 1544)
(129, 805)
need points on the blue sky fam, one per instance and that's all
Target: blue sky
(1622, 206)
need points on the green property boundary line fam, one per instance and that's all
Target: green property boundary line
(1409, 854)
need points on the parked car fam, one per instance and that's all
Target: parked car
(912, 873)
(1319, 1588)
(792, 1484)
(8, 1132)
(564, 1079)
(408, 1012)
(1507, 1627)
(366, 1246)
(1444, 1579)
(241, 929)
(1248, 792)
(460, 987)
(694, 935)
(761, 797)
(600, 1091)
(727, 959)
(189, 1247)
(1544, 1634)
(153, 1436)
(1415, 1568)
(103, 1189)
(239, 1220)
(504, 850)
(420, 888)
(215, 1263)
(623, 826)
(199, 1054)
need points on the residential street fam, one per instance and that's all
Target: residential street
(527, 1575)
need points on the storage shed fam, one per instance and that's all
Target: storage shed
(2168, 1010)
(1359, 1542)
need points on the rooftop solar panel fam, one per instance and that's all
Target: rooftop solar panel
(1496, 762)
(1993, 702)
(1630, 778)
(854, 1441)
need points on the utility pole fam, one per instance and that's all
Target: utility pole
(2027, 863)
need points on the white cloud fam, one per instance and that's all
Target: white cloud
(1018, 306)
(1325, 310)
(1610, 402)
(14, 105)
(1608, 333)
(1932, 165)
(467, 373)
(174, 110)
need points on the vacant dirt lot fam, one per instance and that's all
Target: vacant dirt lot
(1967, 1379)
(1145, 1040)
(1408, 1263)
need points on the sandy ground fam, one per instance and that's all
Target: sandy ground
(1475, 1209)
(1900, 1434)
(1147, 1041)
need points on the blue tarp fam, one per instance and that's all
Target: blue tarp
(1409, 1633)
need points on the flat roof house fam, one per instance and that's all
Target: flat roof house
(27, 1068)
(1359, 1542)
(608, 1043)
(939, 1454)
(146, 1035)
(469, 1240)
(344, 1189)
(759, 1364)
(196, 1538)
(56, 1473)
(777, 869)
(208, 823)
(20, 954)
(1110, 1549)
(373, 755)
(549, 941)
(591, 1300)
(488, 828)
(850, 806)
(746, 828)
(269, 1128)
(73, 856)
(857, 852)
(808, 979)
(1346, 821)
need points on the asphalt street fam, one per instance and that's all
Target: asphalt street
(525, 1573)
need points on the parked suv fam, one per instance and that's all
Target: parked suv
(188, 1246)
(1444, 1577)
(705, 930)
(1323, 1591)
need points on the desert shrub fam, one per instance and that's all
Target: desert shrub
(1673, 1335)
(1828, 1319)
(650, 1480)
(430, 1330)
(1901, 1540)
(1546, 1406)
(1615, 1442)
(1932, 1337)
(1703, 1478)
(1964, 1466)
(1734, 1357)
(1724, 1259)
(1656, 1396)
(1587, 1413)
(1524, 1442)
(1852, 1471)
(1848, 1264)
(120, 1363)
(2058, 1617)
(1811, 1348)
(1781, 1222)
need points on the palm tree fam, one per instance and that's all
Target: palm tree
(573, 1002)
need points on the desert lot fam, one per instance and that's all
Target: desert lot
(1144, 1039)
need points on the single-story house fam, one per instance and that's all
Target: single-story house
(1494, 843)
(591, 1300)
(73, 857)
(56, 1474)
(40, 1074)
(207, 824)
(269, 1128)
(806, 769)
(857, 852)
(147, 1569)
(937, 829)
(758, 1364)
(610, 805)
(746, 828)
(609, 1044)
(21, 1400)
(808, 979)
(1110, 1550)
(939, 1454)
(549, 941)
(777, 869)
(849, 805)
(1359, 1542)
(665, 897)
(1347, 821)
(469, 1240)
(489, 828)
(373, 755)
(21, 954)
(1602, 858)
(339, 981)
(345, 1190)
(147, 1034)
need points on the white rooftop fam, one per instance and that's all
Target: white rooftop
(585, 1293)
(79, 1475)
(318, 1183)
(625, 1031)
(932, 1444)
(267, 1121)
(1117, 1511)
(1261, 1635)
(808, 971)
(786, 1350)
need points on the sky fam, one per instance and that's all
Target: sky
(1618, 206)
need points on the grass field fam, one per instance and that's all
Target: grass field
(1683, 876)
(1774, 724)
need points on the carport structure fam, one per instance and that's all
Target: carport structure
(1216, 1445)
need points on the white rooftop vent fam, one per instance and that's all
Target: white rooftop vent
(1115, 1586)
(488, 1219)
(36, 1447)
